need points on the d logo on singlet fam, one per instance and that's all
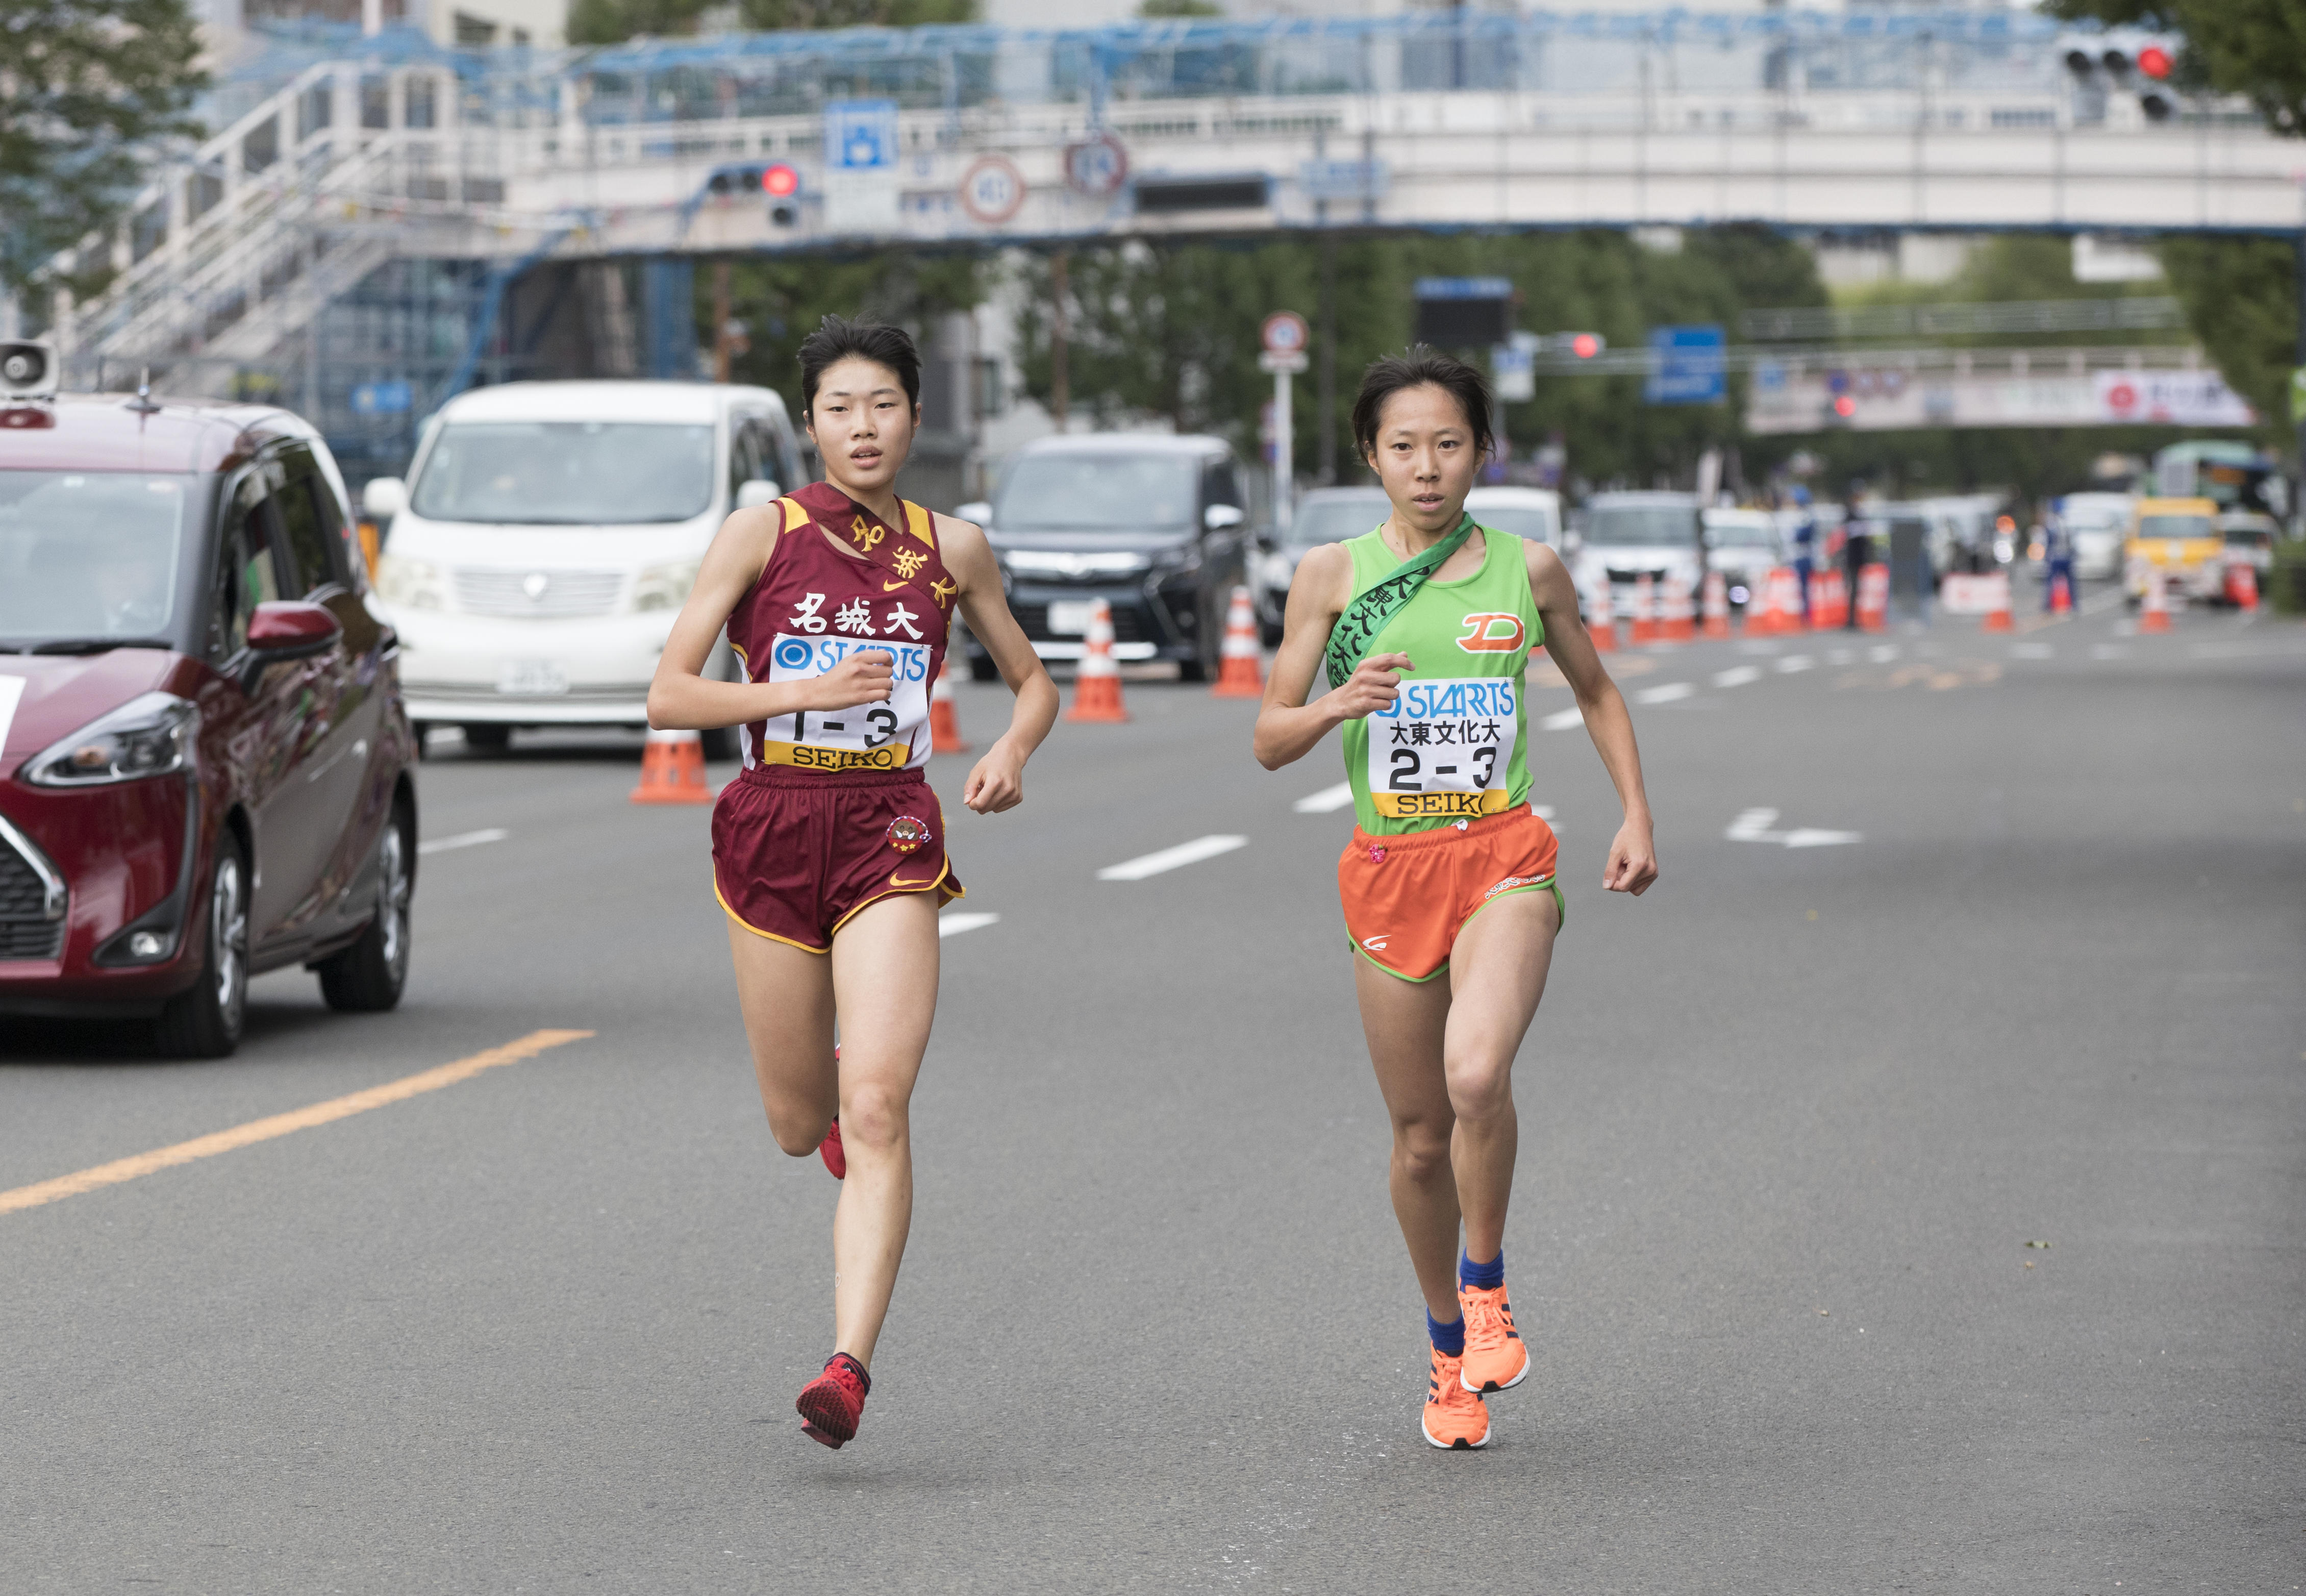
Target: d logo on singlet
(1495, 632)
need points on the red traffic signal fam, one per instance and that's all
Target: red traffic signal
(1585, 345)
(2153, 61)
(1844, 406)
(779, 181)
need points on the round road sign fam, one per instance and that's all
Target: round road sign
(993, 191)
(1098, 165)
(1285, 333)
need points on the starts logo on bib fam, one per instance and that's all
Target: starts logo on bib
(1492, 632)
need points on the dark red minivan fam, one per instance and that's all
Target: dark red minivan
(205, 768)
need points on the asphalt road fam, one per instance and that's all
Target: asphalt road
(1920, 1211)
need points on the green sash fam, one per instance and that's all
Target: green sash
(1381, 601)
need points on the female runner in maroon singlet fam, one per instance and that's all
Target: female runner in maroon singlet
(829, 849)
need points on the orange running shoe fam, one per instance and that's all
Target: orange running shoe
(1495, 1358)
(1455, 1420)
(833, 1404)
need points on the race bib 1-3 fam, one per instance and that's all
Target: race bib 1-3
(1442, 748)
(873, 737)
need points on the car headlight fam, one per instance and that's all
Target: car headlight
(664, 586)
(149, 736)
(411, 584)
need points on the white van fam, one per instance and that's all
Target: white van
(548, 534)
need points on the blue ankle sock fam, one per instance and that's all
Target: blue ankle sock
(1448, 1339)
(1486, 1276)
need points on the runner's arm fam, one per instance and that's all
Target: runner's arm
(1632, 863)
(681, 698)
(1287, 727)
(998, 780)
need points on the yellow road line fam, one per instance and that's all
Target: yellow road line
(281, 1124)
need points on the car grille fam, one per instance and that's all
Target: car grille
(25, 930)
(1627, 576)
(1129, 624)
(565, 594)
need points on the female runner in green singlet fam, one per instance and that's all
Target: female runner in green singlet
(1448, 887)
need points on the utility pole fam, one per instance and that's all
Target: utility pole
(1327, 380)
(1060, 385)
(722, 312)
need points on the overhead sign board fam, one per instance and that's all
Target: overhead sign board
(1690, 369)
(860, 166)
(1464, 312)
(1343, 180)
(1513, 368)
(382, 398)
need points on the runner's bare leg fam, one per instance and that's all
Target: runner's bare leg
(884, 979)
(1405, 1021)
(786, 993)
(1496, 972)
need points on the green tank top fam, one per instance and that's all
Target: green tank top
(1450, 746)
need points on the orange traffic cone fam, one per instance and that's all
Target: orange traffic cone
(944, 714)
(1645, 611)
(672, 770)
(1678, 617)
(2062, 594)
(1602, 626)
(1873, 599)
(2241, 587)
(2154, 611)
(1829, 601)
(1097, 686)
(1717, 605)
(1997, 619)
(1241, 672)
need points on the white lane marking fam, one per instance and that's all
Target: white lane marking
(2032, 650)
(954, 924)
(11, 688)
(1171, 858)
(1753, 825)
(2108, 651)
(1737, 676)
(1793, 662)
(1664, 692)
(1325, 800)
(1882, 654)
(1542, 811)
(495, 833)
(1562, 720)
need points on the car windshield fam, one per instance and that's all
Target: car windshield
(1334, 520)
(1121, 491)
(1531, 526)
(2095, 520)
(1634, 525)
(566, 474)
(1739, 535)
(2173, 526)
(88, 555)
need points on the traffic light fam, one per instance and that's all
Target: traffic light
(782, 183)
(1573, 345)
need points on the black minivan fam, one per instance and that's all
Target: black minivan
(1153, 524)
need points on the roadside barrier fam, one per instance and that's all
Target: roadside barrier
(1602, 626)
(1679, 621)
(1829, 601)
(1717, 605)
(672, 770)
(2241, 587)
(1873, 599)
(1775, 609)
(944, 713)
(1241, 672)
(2154, 610)
(1645, 611)
(1097, 686)
(1998, 618)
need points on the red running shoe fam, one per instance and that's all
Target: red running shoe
(832, 1405)
(829, 1149)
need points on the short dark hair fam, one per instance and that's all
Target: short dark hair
(837, 337)
(1415, 367)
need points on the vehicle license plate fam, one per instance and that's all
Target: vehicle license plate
(1070, 617)
(530, 679)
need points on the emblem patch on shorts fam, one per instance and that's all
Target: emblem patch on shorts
(907, 833)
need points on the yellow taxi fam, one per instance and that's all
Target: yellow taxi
(2181, 536)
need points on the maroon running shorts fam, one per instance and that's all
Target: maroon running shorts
(796, 854)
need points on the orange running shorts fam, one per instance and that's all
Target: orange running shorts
(1407, 897)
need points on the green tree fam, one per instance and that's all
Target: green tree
(89, 91)
(781, 300)
(2241, 296)
(613, 21)
(1159, 9)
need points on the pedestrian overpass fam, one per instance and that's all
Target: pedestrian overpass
(397, 185)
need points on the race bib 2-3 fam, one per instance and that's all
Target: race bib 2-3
(1443, 747)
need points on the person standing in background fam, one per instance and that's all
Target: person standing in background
(1805, 546)
(1856, 544)
(2057, 544)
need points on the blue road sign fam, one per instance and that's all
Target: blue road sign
(381, 399)
(1346, 180)
(1689, 366)
(860, 135)
(1464, 288)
